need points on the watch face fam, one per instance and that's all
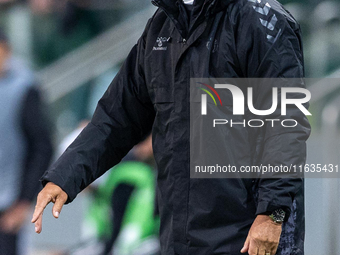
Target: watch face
(278, 215)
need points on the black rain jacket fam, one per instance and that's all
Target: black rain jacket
(151, 92)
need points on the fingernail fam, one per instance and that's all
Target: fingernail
(56, 214)
(36, 229)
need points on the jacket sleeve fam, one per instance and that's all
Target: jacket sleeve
(123, 117)
(269, 46)
(39, 144)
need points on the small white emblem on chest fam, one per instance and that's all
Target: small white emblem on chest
(161, 43)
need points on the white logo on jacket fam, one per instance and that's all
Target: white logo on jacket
(161, 42)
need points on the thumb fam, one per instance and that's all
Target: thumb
(58, 205)
(245, 246)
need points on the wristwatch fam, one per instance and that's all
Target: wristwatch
(278, 215)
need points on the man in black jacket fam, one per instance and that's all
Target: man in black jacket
(210, 38)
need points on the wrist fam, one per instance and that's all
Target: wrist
(278, 216)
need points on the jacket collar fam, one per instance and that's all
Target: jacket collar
(205, 7)
(202, 9)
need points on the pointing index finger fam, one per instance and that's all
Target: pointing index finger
(38, 224)
(42, 202)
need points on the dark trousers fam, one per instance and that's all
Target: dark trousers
(8, 243)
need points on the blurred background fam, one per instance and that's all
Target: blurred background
(75, 48)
